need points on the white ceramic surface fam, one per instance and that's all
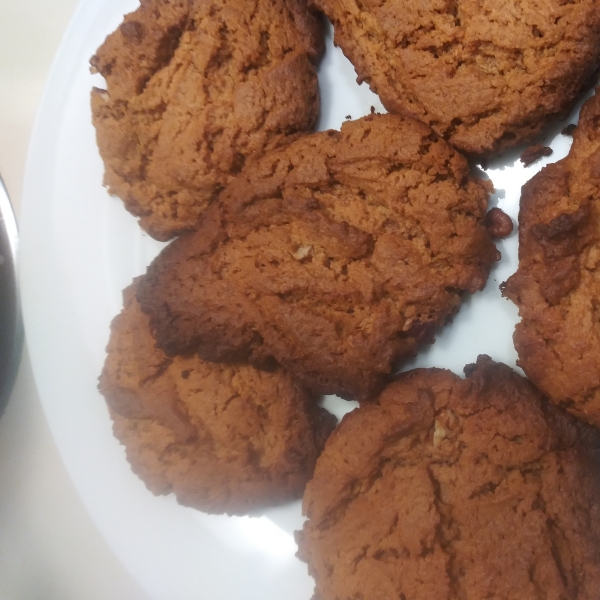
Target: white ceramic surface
(79, 248)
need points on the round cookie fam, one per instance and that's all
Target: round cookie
(335, 256)
(447, 489)
(557, 285)
(224, 439)
(484, 74)
(194, 88)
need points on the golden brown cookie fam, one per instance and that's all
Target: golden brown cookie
(335, 256)
(194, 88)
(224, 439)
(557, 285)
(485, 74)
(447, 489)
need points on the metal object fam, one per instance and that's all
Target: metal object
(11, 328)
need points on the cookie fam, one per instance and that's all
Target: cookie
(223, 438)
(485, 75)
(194, 88)
(335, 257)
(449, 488)
(556, 286)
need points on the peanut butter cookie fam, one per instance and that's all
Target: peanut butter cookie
(194, 88)
(335, 257)
(223, 438)
(557, 284)
(484, 74)
(446, 489)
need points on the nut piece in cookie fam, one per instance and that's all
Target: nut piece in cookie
(448, 488)
(335, 256)
(556, 286)
(224, 439)
(194, 88)
(485, 75)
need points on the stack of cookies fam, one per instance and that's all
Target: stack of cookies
(309, 263)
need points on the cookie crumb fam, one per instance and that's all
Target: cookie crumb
(498, 224)
(534, 152)
(569, 129)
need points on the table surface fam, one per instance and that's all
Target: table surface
(49, 547)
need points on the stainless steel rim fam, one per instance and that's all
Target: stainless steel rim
(10, 223)
(11, 329)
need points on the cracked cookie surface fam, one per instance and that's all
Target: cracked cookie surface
(222, 438)
(557, 284)
(194, 88)
(335, 256)
(486, 75)
(452, 489)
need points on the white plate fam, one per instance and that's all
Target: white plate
(79, 248)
